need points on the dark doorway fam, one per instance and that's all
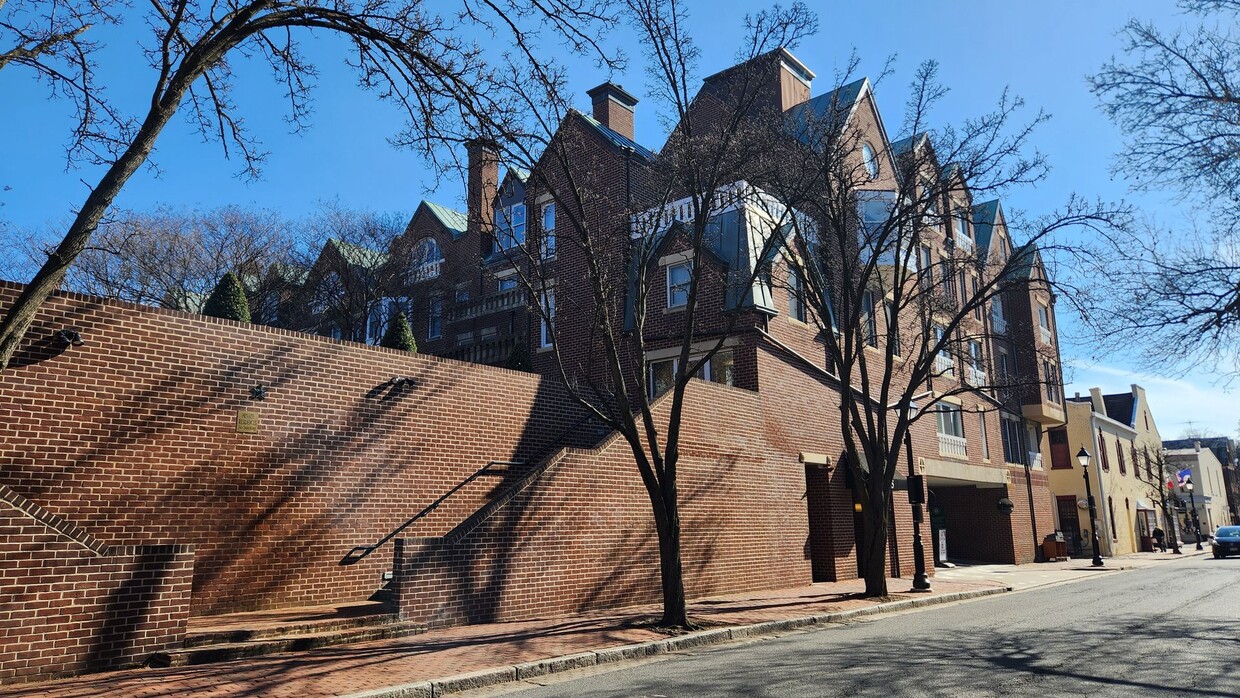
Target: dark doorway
(1069, 524)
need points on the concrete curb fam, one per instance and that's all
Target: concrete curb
(627, 653)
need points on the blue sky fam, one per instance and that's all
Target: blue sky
(1041, 51)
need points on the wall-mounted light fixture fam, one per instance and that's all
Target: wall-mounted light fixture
(69, 337)
(401, 381)
(1006, 506)
(258, 392)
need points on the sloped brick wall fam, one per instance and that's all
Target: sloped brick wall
(582, 536)
(134, 436)
(67, 609)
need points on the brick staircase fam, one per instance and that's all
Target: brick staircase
(237, 635)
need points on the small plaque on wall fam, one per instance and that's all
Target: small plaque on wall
(247, 422)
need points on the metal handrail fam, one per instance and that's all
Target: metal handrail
(360, 552)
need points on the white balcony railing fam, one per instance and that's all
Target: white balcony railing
(944, 365)
(427, 270)
(975, 375)
(954, 446)
(999, 324)
(1035, 459)
(1045, 334)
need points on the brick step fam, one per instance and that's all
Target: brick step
(295, 641)
(284, 630)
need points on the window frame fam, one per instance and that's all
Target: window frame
(673, 289)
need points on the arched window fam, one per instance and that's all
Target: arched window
(871, 160)
(425, 261)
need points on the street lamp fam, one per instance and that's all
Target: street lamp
(916, 496)
(1083, 457)
(1192, 502)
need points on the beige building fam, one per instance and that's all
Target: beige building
(1209, 493)
(1122, 439)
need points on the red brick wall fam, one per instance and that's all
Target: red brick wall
(67, 609)
(133, 437)
(582, 536)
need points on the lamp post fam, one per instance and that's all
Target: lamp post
(1083, 458)
(1192, 502)
(916, 496)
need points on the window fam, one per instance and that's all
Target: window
(548, 231)
(998, 315)
(981, 426)
(796, 296)
(462, 293)
(893, 329)
(949, 285)
(944, 364)
(949, 420)
(1149, 466)
(1102, 451)
(1136, 464)
(975, 354)
(720, 369)
(1013, 439)
(925, 263)
(1003, 364)
(869, 320)
(1051, 373)
(871, 160)
(510, 226)
(1119, 453)
(426, 260)
(434, 318)
(546, 334)
(960, 228)
(678, 276)
(875, 209)
(977, 309)
(1044, 317)
(507, 283)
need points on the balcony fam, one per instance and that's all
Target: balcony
(1044, 333)
(491, 351)
(494, 303)
(998, 323)
(944, 365)
(975, 376)
(1044, 412)
(952, 446)
(426, 271)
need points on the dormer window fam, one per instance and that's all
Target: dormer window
(871, 160)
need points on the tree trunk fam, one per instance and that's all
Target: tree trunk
(874, 548)
(18, 319)
(675, 612)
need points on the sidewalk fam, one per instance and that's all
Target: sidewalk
(501, 652)
(1024, 577)
(455, 659)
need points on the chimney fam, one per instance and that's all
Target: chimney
(613, 108)
(483, 180)
(1197, 446)
(794, 81)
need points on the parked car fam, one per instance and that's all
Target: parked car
(1226, 541)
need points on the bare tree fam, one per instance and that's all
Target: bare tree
(351, 279)
(885, 255)
(1173, 290)
(617, 230)
(414, 55)
(173, 259)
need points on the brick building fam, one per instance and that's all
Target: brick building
(242, 462)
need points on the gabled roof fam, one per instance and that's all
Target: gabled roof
(985, 215)
(906, 145)
(1121, 407)
(357, 255)
(522, 175)
(1027, 257)
(832, 108)
(616, 139)
(456, 222)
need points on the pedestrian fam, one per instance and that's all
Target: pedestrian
(1160, 539)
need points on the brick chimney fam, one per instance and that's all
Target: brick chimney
(483, 181)
(613, 108)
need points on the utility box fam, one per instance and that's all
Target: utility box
(1054, 547)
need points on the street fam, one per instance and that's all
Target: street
(1172, 630)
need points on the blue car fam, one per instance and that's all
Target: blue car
(1227, 541)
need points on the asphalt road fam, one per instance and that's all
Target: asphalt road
(1170, 630)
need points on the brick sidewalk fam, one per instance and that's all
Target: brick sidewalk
(441, 653)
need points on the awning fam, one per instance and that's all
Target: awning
(1143, 505)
